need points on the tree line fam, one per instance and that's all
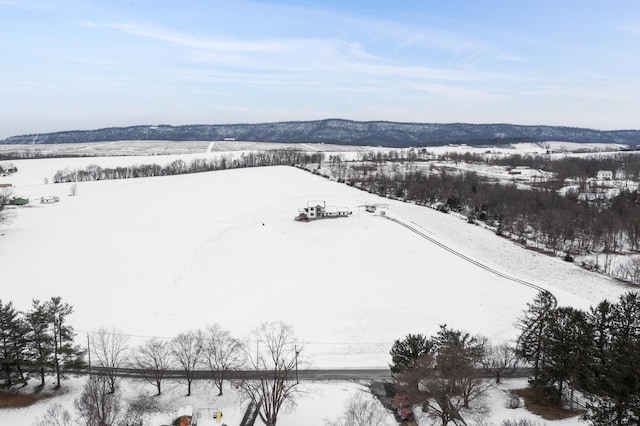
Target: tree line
(274, 157)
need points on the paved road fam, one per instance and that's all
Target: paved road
(364, 374)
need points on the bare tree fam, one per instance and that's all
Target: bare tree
(56, 415)
(109, 348)
(5, 198)
(274, 362)
(221, 353)
(73, 189)
(98, 406)
(153, 358)
(500, 360)
(186, 349)
(362, 411)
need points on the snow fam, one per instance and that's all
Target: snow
(159, 256)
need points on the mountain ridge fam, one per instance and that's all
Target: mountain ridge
(341, 131)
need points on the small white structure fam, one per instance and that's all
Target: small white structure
(604, 175)
(49, 200)
(320, 210)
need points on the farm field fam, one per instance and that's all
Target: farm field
(159, 256)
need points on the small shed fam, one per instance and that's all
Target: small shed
(49, 200)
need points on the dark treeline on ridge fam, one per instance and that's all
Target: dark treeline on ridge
(337, 131)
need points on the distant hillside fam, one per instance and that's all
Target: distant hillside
(383, 133)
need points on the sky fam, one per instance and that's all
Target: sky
(85, 64)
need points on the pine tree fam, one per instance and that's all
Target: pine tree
(534, 325)
(406, 351)
(614, 383)
(12, 344)
(568, 349)
(66, 355)
(40, 339)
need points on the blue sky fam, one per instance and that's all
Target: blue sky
(72, 64)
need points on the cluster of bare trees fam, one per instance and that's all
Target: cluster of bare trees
(212, 352)
(99, 406)
(271, 381)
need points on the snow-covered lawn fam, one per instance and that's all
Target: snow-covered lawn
(159, 256)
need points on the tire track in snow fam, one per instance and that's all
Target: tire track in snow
(473, 261)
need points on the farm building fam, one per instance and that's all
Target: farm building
(605, 175)
(49, 200)
(320, 210)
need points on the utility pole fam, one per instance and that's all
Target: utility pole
(89, 353)
(295, 348)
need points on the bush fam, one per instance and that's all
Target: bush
(520, 422)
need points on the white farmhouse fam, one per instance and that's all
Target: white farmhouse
(319, 210)
(604, 175)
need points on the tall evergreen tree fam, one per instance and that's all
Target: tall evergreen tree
(534, 325)
(12, 344)
(615, 380)
(568, 350)
(40, 339)
(66, 355)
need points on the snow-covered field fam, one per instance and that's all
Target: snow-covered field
(159, 256)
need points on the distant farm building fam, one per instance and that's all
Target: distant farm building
(49, 200)
(5, 185)
(604, 175)
(320, 210)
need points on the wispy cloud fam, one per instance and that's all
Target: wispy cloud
(179, 38)
(445, 41)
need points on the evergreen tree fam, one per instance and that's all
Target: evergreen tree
(568, 349)
(534, 325)
(12, 344)
(40, 339)
(405, 352)
(615, 371)
(66, 355)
